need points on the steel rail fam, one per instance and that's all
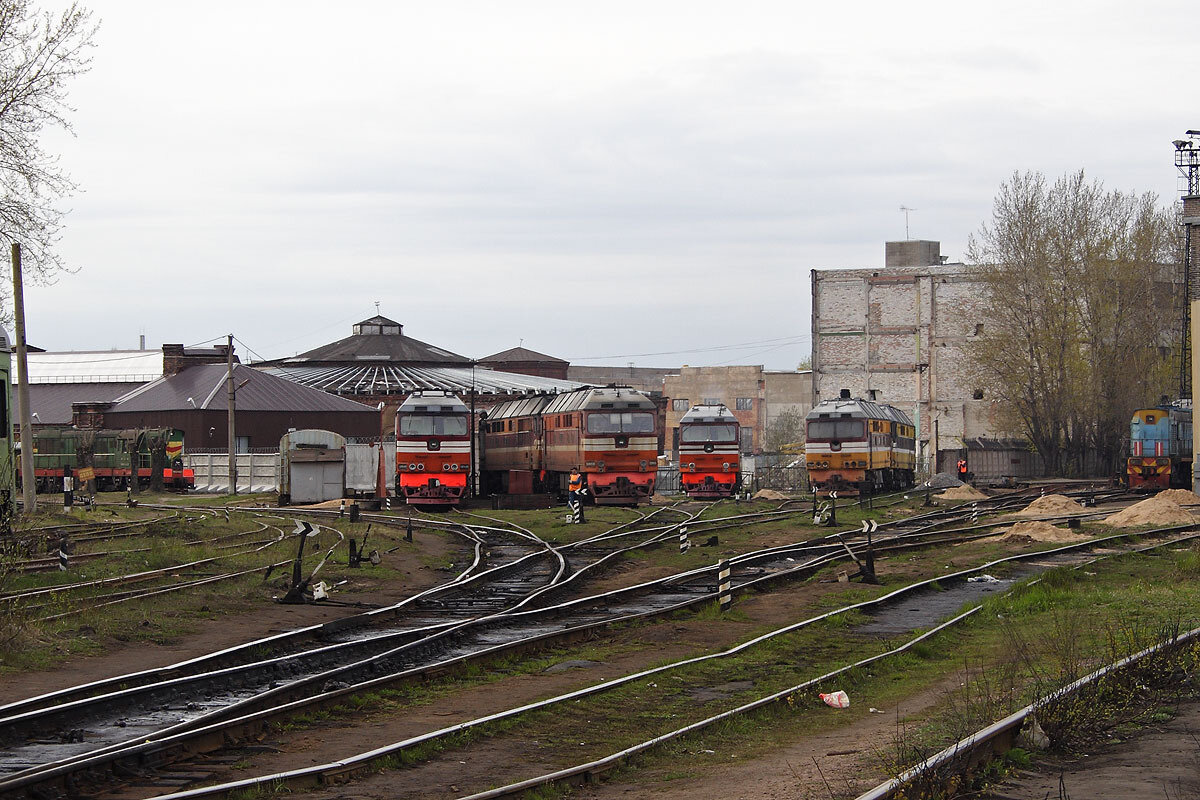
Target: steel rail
(230, 653)
(768, 577)
(344, 768)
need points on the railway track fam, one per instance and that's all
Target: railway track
(439, 642)
(363, 763)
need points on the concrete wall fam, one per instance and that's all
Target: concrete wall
(904, 332)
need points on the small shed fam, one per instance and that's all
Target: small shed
(312, 466)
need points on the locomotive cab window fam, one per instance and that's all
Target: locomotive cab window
(835, 429)
(627, 422)
(708, 433)
(432, 425)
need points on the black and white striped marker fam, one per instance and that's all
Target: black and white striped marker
(724, 596)
(684, 544)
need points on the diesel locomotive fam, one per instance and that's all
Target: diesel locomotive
(854, 446)
(610, 435)
(107, 452)
(1160, 448)
(708, 452)
(433, 449)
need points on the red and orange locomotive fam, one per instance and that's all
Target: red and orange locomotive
(433, 449)
(610, 435)
(708, 452)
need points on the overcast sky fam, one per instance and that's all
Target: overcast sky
(610, 182)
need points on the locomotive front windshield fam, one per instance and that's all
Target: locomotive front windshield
(835, 429)
(624, 422)
(433, 425)
(708, 433)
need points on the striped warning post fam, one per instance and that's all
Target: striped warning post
(725, 597)
(974, 512)
(576, 512)
(684, 544)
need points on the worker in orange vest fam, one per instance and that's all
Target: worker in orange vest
(575, 493)
(962, 470)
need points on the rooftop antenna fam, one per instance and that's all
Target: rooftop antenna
(377, 307)
(521, 342)
(906, 209)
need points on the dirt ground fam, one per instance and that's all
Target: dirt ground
(1159, 762)
(210, 635)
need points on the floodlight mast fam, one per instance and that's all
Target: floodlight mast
(1187, 161)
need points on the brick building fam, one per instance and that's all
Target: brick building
(901, 331)
(754, 395)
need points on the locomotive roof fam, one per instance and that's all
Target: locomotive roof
(703, 413)
(588, 399)
(857, 408)
(433, 401)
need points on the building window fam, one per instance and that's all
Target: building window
(243, 444)
(977, 394)
(745, 403)
(712, 401)
(679, 404)
(979, 329)
(747, 437)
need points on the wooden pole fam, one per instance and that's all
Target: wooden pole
(232, 431)
(28, 486)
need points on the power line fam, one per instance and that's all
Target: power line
(782, 341)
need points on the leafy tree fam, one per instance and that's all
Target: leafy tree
(1080, 299)
(39, 54)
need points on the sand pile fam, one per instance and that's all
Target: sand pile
(1051, 505)
(1040, 532)
(331, 504)
(962, 494)
(1181, 496)
(770, 494)
(1157, 510)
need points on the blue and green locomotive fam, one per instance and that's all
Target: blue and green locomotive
(1160, 447)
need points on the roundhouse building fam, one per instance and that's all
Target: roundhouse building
(377, 363)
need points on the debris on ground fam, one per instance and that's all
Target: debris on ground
(1051, 505)
(984, 578)
(837, 699)
(1040, 531)
(770, 494)
(944, 480)
(961, 493)
(1157, 510)
(1181, 496)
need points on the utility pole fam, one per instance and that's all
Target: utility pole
(28, 488)
(232, 431)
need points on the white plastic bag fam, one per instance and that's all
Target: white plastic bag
(837, 699)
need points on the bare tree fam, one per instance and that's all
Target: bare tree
(39, 54)
(786, 428)
(1079, 286)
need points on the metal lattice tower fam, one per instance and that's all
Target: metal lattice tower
(1187, 161)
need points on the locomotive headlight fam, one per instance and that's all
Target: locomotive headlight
(642, 465)
(413, 466)
(454, 467)
(600, 466)
(445, 467)
(420, 467)
(692, 466)
(725, 466)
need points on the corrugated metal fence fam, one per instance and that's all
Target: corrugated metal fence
(259, 472)
(256, 472)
